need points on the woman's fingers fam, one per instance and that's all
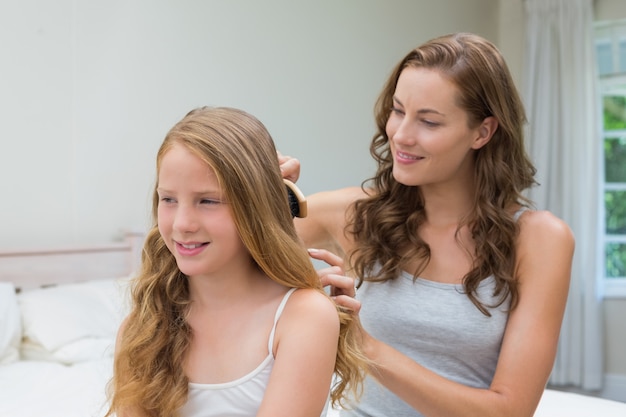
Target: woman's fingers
(334, 275)
(348, 303)
(324, 274)
(339, 284)
(289, 167)
(326, 256)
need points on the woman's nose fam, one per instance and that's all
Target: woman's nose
(403, 133)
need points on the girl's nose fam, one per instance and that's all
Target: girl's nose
(185, 220)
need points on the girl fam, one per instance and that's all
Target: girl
(228, 316)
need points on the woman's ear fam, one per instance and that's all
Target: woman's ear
(485, 132)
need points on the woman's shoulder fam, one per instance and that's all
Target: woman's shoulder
(542, 227)
(543, 221)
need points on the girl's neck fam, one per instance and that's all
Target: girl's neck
(227, 289)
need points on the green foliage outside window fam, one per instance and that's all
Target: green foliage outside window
(614, 112)
(615, 207)
(615, 260)
(615, 175)
(615, 159)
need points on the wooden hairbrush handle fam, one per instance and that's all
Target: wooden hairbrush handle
(297, 201)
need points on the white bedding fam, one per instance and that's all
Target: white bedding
(566, 404)
(64, 353)
(51, 389)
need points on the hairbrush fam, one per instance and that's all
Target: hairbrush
(297, 201)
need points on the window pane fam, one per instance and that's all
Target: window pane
(614, 112)
(610, 48)
(615, 159)
(615, 260)
(604, 57)
(615, 205)
(622, 56)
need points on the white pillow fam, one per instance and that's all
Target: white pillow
(10, 325)
(83, 350)
(71, 323)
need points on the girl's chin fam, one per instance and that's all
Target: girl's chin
(186, 268)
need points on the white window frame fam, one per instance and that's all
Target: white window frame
(613, 33)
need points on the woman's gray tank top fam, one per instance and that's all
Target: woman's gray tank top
(437, 326)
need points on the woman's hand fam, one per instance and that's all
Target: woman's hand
(342, 287)
(343, 291)
(289, 167)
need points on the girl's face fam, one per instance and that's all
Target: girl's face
(428, 132)
(194, 219)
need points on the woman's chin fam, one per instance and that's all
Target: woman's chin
(404, 179)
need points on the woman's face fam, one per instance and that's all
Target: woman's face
(429, 134)
(194, 218)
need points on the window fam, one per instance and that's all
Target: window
(611, 59)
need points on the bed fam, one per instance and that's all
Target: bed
(59, 313)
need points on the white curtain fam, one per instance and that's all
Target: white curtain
(561, 103)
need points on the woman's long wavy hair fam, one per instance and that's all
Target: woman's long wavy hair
(384, 224)
(148, 368)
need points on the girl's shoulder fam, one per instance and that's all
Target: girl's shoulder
(306, 301)
(308, 314)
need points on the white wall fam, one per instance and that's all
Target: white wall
(88, 90)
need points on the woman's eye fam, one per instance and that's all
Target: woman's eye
(397, 111)
(430, 123)
(167, 200)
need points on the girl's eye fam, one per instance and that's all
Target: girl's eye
(167, 200)
(209, 201)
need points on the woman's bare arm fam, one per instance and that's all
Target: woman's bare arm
(545, 253)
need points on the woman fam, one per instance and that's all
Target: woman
(462, 286)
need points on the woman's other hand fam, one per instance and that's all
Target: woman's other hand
(342, 287)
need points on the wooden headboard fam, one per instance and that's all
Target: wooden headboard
(30, 268)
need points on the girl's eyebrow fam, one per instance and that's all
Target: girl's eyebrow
(212, 193)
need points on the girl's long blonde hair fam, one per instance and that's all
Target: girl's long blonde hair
(148, 368)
